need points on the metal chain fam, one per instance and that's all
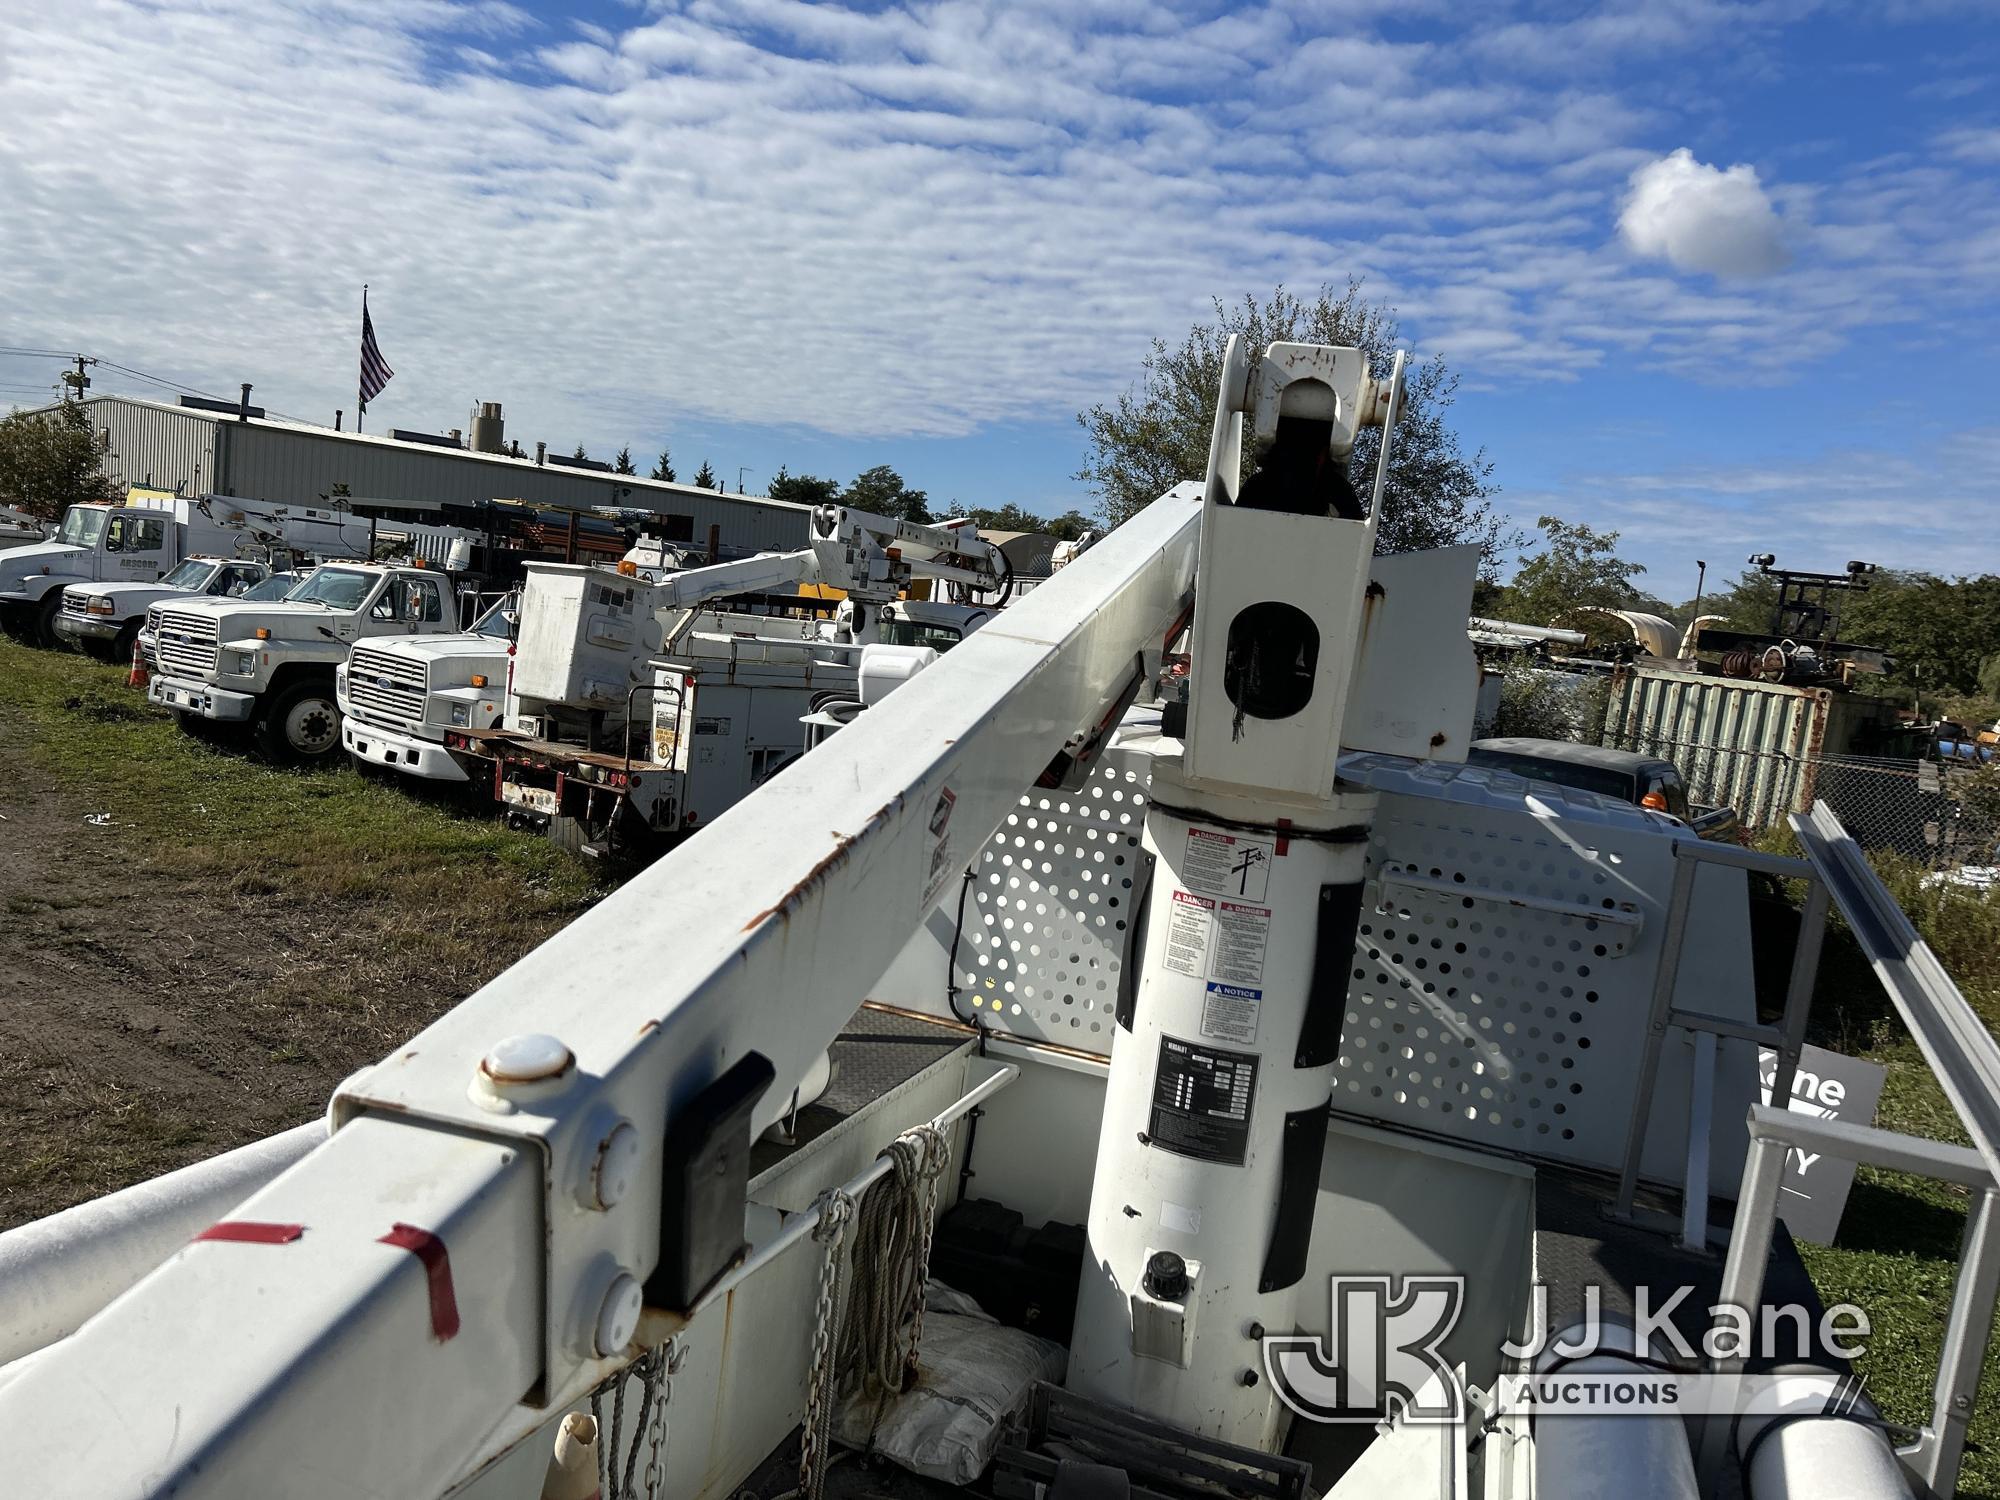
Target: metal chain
(836, 1210)
(669, 1357)
(618, 1466)
(936, 1147)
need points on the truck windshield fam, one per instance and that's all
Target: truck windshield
(82, 526)
(336, 588)
(189, 575)
(277, 586)
(495, 622)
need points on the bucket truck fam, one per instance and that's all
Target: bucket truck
(143, 537)
(1362, 1037)
(272, 666)
(637, 711)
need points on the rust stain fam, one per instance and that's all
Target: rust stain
(652, 1025)
(1437, 739)
(1376, 591)
(835, 857)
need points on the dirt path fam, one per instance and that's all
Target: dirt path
(150, 1016)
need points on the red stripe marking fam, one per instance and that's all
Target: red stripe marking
(1284, 844)
(429, 1249)
(251, 1232)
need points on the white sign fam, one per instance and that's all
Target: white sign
(1833, 1087)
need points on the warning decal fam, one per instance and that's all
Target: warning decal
(1188, 934)
(1201, 1101)
(1227, 865)
(1242, 935)
(1229, 1012)
(938, 867)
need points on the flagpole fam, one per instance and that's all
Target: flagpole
(361, 401)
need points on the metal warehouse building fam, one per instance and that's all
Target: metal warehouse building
(203, 446)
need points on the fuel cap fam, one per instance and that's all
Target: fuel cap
(1166, 1276)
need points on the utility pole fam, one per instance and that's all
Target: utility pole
(79, 382)
(741, 470)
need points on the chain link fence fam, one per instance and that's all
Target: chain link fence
(1944, 815)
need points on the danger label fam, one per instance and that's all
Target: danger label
(1229, 1012)
(1227, 865)
(1242, 933)
(1189, 936)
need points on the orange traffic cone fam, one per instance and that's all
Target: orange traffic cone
(137, 677)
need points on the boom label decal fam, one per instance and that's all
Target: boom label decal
(1226, 864)
(1188, 933)
(1202, 1098)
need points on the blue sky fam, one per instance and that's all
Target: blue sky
(1721, 274)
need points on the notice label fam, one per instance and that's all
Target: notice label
(1227, 865)
(1201, 1101)
(1188, 936)
(1229, 1012)
(1242, 933)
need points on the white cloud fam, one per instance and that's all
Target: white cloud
(1702, 218)
(921, 220)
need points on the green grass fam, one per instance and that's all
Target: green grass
(216, 809)
(1898, 1246)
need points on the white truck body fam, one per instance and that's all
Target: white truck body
(145, 536)
(106, 615)
(399, 695)
(636, 714)
(273, 665)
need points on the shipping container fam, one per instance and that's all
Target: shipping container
(1753, 746)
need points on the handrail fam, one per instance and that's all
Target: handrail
(1786, 1037)
(1933, 1459)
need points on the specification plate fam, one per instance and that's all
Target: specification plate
(1201, 1101)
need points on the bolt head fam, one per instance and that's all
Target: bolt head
(618, 1318)
(617, 1165)
(530, 1058)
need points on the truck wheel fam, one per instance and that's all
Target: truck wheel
(45, 622)
(123, 642)
(302, 723)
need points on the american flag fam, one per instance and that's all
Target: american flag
(375, 371)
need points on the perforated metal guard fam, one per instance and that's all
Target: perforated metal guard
(1510, 933)
(1049, 931)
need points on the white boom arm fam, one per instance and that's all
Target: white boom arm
(769, 570)
(318, 1358)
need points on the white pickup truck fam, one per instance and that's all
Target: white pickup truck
(104, 619)
(272, 666)
(400, 695)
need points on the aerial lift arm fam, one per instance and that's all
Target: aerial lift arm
(460, 1244)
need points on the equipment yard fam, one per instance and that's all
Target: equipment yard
(204, 966)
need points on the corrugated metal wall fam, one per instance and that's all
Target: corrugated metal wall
(1746, 745)
(197, 451)
(152, 445)
(268, 462)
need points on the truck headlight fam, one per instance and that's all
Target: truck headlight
(245, 663)
(99, 605)
(461, 715)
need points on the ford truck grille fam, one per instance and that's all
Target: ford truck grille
(385, 685)
(185, 644)
(76, 601)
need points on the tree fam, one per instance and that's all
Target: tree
(802, 489)
(49, 461)
(704, 477)
(1575, 568)
(1156, 434)
(623, 463)
(579, 454)
(664, 469)
(1940, 631)
(1066, 527)
(881, 490)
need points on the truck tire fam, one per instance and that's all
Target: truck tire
(122, 644)
(301, 723)
(45, 622)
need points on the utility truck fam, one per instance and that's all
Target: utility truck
(399, 695)
(272, 665)
(143, 537)
(269, 589)
(636, 715)
(105, 619)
